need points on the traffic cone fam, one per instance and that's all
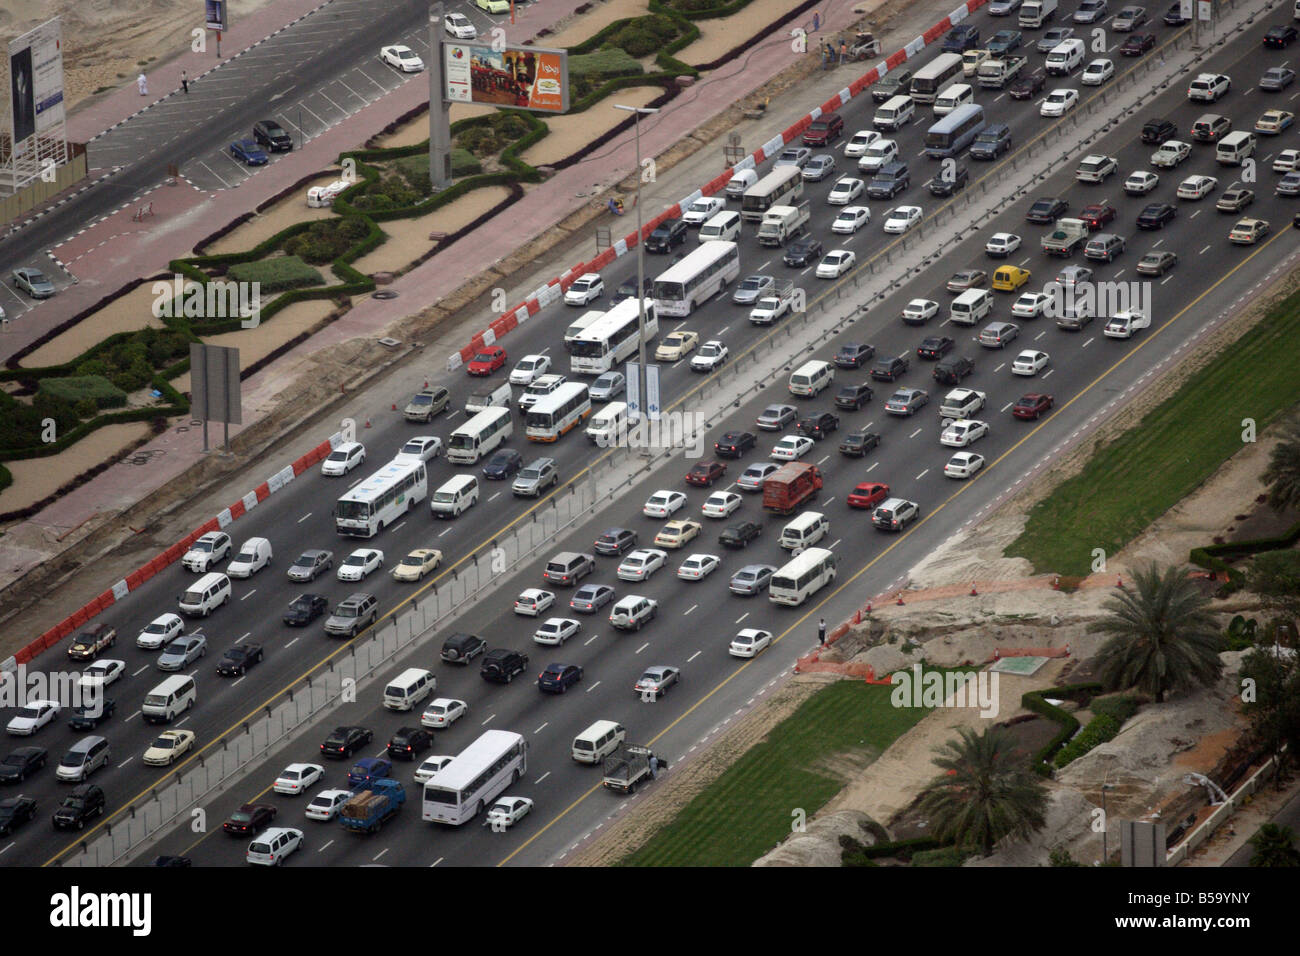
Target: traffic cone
(1119, 581)
(868, 609)
(367, 421)
(426, 383)
(900, 600)
(1056, 582)
(973, 592)
(394, 406)
(857, 617)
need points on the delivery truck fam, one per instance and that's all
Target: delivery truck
(781, 223)
(370, 809)
(790, 486)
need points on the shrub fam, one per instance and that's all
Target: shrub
(96, 389)
(1119, 706)
(278, 274)
(1100, 729)
(944, 856)
(463, 163)
(604, 63)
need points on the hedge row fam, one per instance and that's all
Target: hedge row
(1211, 557)
(903, 849)
(1036, 702)
(1100, 729)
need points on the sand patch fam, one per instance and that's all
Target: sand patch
(131, 312)
(37, 478)
(292, 208)
(569, 133)
(586, 26)
(256, 344)
(719, 36)
(408, 239)
(416, 131)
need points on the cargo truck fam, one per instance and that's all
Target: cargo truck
(628, 766)
(790, 486)
(999, 71)
(1035, 13)
(781, 223)
(372, 808)
(1068, 234)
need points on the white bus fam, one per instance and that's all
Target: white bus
(935, 77)
(381, 499)
(781, 187)
(697, 278)
(578, 325)
(475, 777)
(478, 436)
(557, 413)
(612, 339)
(802, 577)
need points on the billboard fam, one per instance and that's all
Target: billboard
(216, 15)
(36, 82)
(521, 77)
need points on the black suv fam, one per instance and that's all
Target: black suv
(82, 804)
(740, 534)
(952, 370)
(853, 356)
(734, 444)
(853, 396)
(802, 251)
(666, 235)
(943, 185)
(614, 542)
(888, 369)
(344, 741)
(271, 134)
(459, 648)
(857, 443)
(90, 716)
(1158, 130)
(501, 665)
(409, 741)
(304, 609)
(891, 180)
(817, 426)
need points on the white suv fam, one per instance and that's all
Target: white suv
(633, 611)
(273, 846)
(207, 551)
(1208, 87)
(894, 514)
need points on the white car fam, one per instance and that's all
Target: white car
(508, 811)
(850, 220)
(698, 566)
(663, 504)
(859, 141)
(845, 191)
(963, 432)
(1097, 72)
(1171, 153)
(533, 601)
(1197, 187)
(919, 311)
(443, 712)
(160, 631)
(31, 718)
(402, 58)
(902, 218)
(360, 563)
(325, 805)
(457, 25)
(1287, 161)
(101, 673)
(585, 289)
(963, 464)
(879, 153)
(1059, 102)
(168, 747)
(431, 765)
(528, 368)
(343, 459)
(262, 850)
(640, 564)
(1030, 304)
(835, 263)
(1002, 244)
(297, 777)
(1029, 362)
(556, 630)
(420, 448)
(720, 504)
(749, 642)
(702, 210)
(791, 448)
(1140, 183)
(709, 357)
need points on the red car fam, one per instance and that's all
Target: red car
(1032, 405)
(491, 358)
(868, 494)
(705, 473)
(250, 819)
(1098, 214)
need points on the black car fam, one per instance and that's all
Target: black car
(952, 370)
(1174, 15)
(14, 812)
(501, 665)
(172, 861)
(407, 742)
(82, 804)
(889, 369)
(1156, 131)
(237, 660)
(802, 251)
(614, 542)
(890, 180)
(271, 134)
(666, 236)
(853, 356)
(817, 426)
(345, 741)
(628, 289)
(304, 609)
(250, 819)
(1137, 44)
(853, 397)
(946, 184)
(558, 678)
(1156, 215)
(897, 83)
(734, 444)
(459, 648)
(740, 534)
(1280, 37)
(1047, 210)
(503, 463)
(90, 716)
(857, 443)
(1026, 87)
(21, 763)
(935, 347)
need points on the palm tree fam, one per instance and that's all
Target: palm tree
(1274, 846)
(1163, 638)
(1282, 476)
(987, 791)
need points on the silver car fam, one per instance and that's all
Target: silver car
(751, 579)
(311, 563)
(608, 387)
(182, 652)
(752, 288)
(776, 417)
(536, 477)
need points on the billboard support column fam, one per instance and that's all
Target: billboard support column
(439, 107)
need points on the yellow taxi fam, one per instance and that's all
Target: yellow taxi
(1009, 278)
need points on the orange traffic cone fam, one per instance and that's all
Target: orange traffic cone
(367, 422)
(973, 592)
(1119, 581)
(900, 600)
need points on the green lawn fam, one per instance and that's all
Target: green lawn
(1144, 472)
(747, 811)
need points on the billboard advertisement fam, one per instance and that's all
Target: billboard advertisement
(36, 82)
(216, 15)
(521, 77)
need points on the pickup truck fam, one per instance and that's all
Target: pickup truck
(962, 403)
(370, 809)
(783, 222)
(1063, 239)
(91, 642)
(628, 766)
(863, 46)
(772, 306)
(997, 72)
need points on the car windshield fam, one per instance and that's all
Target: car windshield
(344, 610)
(483, 357)
(205, 545)
(356, 559)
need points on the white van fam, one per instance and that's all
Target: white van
(488, 397)
(605, 426)
(273, 846)
(725, 225)
(1065, 57)
(318, 196)
(971, 306)
(895, 113)
(598, 741)
(811, 377)
(1235, 147)
(805, 531)
(172, 697)
(82, 759)
(205, 595)
(457, 495)
(959, 94)
(252, 557)
(409, 688)
(740, 181)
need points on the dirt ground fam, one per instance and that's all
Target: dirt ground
(282, 215)
(132, 311)
(408, 239)
(38, 478)
(577, 29)
(568, 132)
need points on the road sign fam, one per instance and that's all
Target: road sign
(652, 402)
(633, 392)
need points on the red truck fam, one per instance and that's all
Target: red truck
(790, 486)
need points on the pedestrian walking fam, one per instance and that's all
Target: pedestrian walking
(817, 21)
(821, 632)
(185, 82)
(142, 85)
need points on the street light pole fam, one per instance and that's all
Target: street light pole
(641, 377)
